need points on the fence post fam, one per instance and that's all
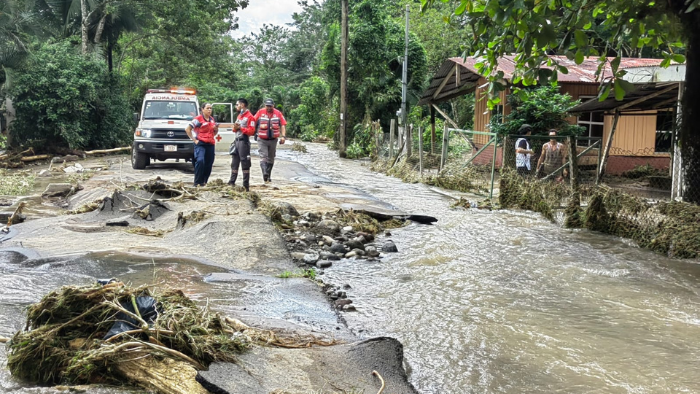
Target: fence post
(409, 140)
(445, 138)
(420, 151)
(401, 146)
(392, 129)
(493, 163)
(608, 145)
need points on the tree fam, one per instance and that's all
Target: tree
(532, 29)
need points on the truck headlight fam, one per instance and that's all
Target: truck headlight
(146, 133)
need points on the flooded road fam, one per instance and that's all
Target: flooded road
(506, 302)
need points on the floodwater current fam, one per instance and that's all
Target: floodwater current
(507, 302)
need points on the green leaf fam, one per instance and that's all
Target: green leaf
(678, 58)
(581, 39)
(587, 25)
(579, 57)
(604, 93)
(666, 62)
(615, 64)
(461, 8)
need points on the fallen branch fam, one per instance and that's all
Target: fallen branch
(103, 151)
(27, 159)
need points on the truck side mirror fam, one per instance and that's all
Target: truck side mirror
(136, 117)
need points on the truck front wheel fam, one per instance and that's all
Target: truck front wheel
(139, 160)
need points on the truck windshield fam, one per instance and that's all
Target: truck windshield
(170, 110)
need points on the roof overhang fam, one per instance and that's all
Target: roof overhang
(645, 97)
(451, 80)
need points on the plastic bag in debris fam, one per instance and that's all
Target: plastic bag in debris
(147, 310)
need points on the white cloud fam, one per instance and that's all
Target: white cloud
(260, 12)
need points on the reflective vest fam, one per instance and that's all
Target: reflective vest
(269, 124)
(204, 129)
(247, 122)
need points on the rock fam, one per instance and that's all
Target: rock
(44, 173)
(298, 255)
(355, 244)
(311, 258)
(387, 233)
(372, 251)
(310, 238)
(342, 294)
(358, 252)
(343, 302)
(329, 256)
(351, 254)
(347, 286)
(367, 236)
(74, 169)
(346, 229)
(323, 264)
(389, 247)
(327, 227)
(5, 203)
(285, 208)
(361, 239)
(337, 247)
(58, 190)
(302, 223)
(287, 218)
(328, 240)
(349, 308)
(312, 216)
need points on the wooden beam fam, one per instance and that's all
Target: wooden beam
(444, 81)
(645, 98)
(666, 102)
(458, 76)
(447, 118)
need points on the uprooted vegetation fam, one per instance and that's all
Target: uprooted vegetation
(671, 228)
(71, 337)
(16, 184)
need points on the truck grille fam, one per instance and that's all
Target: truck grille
(164, 134)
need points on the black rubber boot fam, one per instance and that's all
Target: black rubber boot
(246, 180)
(232, 180)
(263, 167)
(269, 171)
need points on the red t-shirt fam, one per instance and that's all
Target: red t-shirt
(205, 129)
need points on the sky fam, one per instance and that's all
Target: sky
(259, 12)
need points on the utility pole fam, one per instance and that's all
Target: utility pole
(404, 89)
(343, 78)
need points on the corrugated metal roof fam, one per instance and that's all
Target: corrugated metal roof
(578, 73)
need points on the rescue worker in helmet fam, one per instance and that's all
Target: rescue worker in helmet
(244, 127)
(271, 126)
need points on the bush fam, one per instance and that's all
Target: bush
(65, 100)
(543, 108)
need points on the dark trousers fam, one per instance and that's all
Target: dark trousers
(203, 161)
(241, 157)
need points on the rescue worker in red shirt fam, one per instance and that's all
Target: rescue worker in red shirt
(205, 129)
(271, 125)
(240, 147)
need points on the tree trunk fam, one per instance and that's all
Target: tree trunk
(690, 133)
(100, 29)
(110, 49)
(84, 25)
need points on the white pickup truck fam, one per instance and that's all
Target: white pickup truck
(160, 134)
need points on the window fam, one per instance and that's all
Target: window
(665, 121)
(497, 114)
(592, 122)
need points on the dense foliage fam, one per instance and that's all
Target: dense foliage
(65, 100)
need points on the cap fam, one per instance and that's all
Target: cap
(552, 132)
(269, 102)
(525, 128)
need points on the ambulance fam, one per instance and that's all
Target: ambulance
(160, 134)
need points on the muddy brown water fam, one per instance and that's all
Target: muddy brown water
(507, 302)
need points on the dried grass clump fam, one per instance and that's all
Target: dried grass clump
(63, 340)
(299, 147)
(87, 207)
(527, 193)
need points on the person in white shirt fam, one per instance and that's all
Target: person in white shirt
(523, 153)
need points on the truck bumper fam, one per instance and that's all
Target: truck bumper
(157, 149)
